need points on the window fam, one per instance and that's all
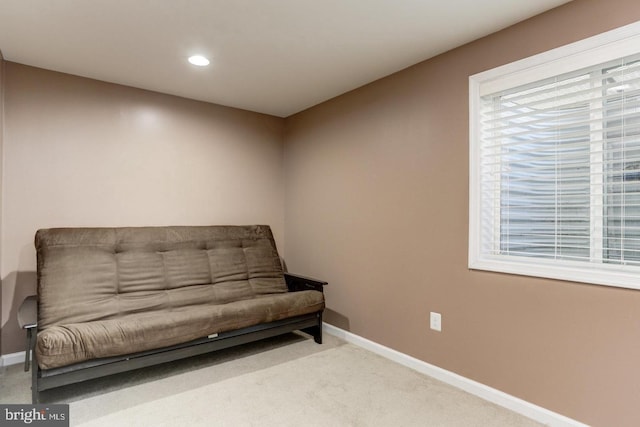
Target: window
(555, 163)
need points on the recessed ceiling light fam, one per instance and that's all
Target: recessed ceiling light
(199, 60)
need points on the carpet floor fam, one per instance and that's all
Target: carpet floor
(283, 381)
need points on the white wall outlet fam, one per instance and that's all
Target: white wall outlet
(435, 321)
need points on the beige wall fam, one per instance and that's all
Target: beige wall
(377, 204)
(79, 152)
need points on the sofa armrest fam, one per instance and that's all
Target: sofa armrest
(28, 320)
(295, 282)
(28, 313)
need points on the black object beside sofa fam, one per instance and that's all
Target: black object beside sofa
(112, 300)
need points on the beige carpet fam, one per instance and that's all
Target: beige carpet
(286, 381)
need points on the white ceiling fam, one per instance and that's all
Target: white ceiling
(271, 56)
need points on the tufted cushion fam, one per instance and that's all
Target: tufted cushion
(110, 291)
(76, 342)
(87, 274)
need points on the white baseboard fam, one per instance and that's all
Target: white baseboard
(485, 392)
(12, 358)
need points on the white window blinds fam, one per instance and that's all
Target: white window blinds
(560, 167)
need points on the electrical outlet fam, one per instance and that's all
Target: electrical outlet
(436, 321)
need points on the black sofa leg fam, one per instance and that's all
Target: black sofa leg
(317, 337)
(35, 398)
(316, 331)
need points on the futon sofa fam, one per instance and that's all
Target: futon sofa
(116, 299)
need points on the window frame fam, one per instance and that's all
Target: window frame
(614, 44)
